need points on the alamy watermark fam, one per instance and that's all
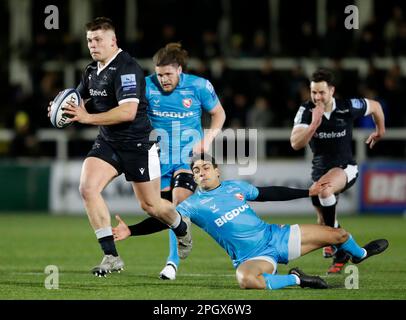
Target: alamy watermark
(352, 281)
(52, 280)
(230, 146)
(352, 20)
(52, 20)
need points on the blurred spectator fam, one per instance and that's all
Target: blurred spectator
(236, 118)
(297, 79)
(374, 78)
(308, 44)
(392, 27)
(394, 96)
(236, 46)
(210, 46)
(371, 43)
(346, 80)
(259, 115)
(24, 143)
(399, 42)
(259, 45)
(333, 44)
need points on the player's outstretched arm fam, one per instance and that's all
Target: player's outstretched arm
(147, 226)
(121, 231)
(379, 119)
(279, 193)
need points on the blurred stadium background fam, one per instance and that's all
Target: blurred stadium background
(258, 56)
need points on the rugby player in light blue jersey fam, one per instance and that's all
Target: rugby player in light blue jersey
(256, 247)
(176, 101)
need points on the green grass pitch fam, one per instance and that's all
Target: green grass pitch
(31, 242)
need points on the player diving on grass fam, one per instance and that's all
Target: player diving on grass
(256, 247)
(175, 104)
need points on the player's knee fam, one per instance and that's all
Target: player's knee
(87, 191)
(341, 235)
(150, 208)
(246, 280)
(326, 193)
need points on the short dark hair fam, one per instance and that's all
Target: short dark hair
(102, 23)
(204, 157)
(172, 53)
(323, 75)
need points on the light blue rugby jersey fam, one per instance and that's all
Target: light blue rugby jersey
(225, 214)
(179, 112)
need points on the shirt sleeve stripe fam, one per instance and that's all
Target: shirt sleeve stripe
(129, 100)
(301, 125)
(368, 110)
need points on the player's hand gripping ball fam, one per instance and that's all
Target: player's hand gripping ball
(58, 118)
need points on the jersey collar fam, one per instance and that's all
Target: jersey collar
(181, 79)
(106, 65)
(328, 114)
(200, 191)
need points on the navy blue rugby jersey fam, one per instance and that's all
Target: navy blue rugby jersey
(331, 144)
(120, 80)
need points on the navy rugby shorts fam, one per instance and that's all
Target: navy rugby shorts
(139, 161)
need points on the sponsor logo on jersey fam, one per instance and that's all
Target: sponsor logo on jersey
(98, 93)
(239, 196)
(230, 215)
(204, 201)
(186, 93)
(232, 189)
(209, 87)
(128, 82)
(214, 208)
(155, 92)
(179, 115)
(156, 103)
(357, 103)
(330, 135)
(187, 102)
(343, 111)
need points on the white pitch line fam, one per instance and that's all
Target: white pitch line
(136, 274)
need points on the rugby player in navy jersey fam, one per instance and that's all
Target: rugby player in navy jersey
(255, 247)
(116, 85)
(326, 124)
(176, 101)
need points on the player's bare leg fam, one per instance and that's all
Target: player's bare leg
(148, 193)
(95, 176)
(258, 274)
(314, 237)
(172, 262)
(328, 201)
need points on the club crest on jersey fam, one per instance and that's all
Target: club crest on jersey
(239, 196)
(187, 102)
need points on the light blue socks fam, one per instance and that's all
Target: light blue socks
(173, 249)
(274, 282)
(351, 247)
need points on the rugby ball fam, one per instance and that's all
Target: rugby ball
(58, 117)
